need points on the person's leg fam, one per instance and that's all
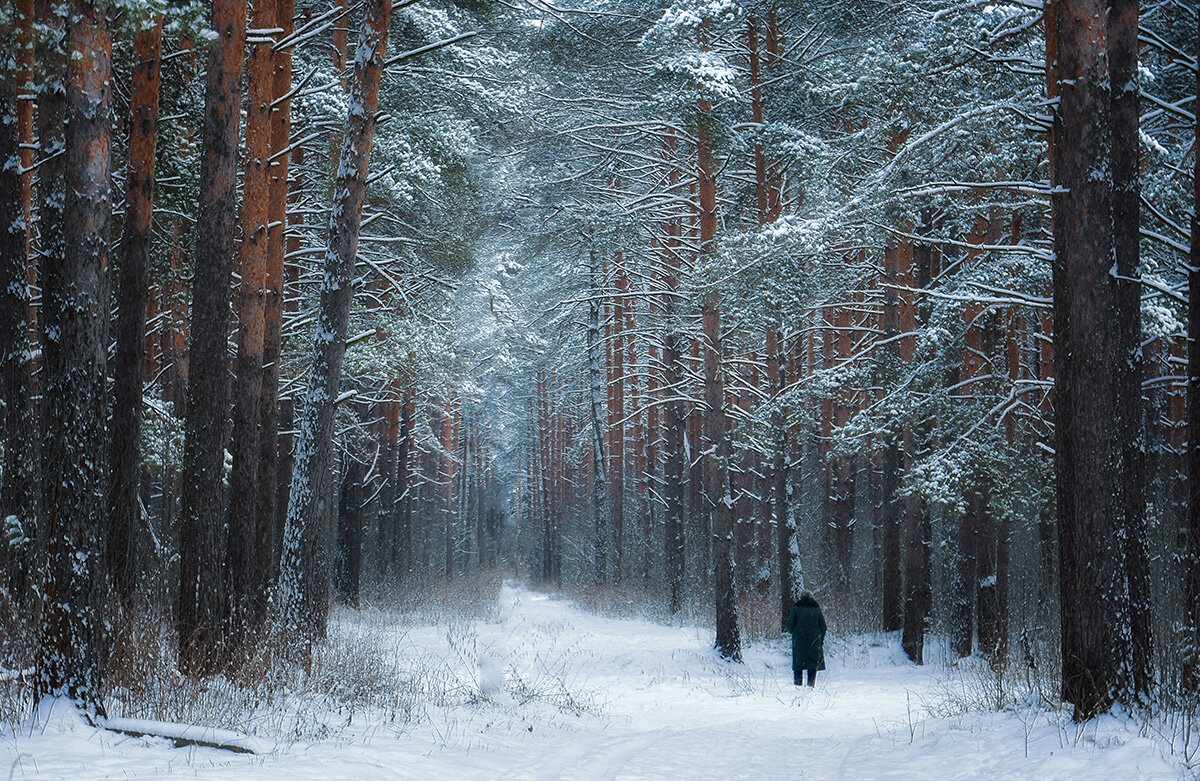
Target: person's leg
(812, 677)
(797, 677)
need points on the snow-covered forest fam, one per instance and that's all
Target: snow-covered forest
(436, 388)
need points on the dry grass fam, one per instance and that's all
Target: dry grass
(18, 650)
(354, 672)
(439, 600)
(758, 614)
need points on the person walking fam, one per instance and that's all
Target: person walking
(807, 625)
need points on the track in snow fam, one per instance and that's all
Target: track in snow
(654, 702)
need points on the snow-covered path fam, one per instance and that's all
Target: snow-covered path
(545, 690)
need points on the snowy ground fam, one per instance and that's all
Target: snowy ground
(541, 689)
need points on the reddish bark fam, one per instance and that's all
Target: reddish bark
(244, 608)
(19, 436)
(268, 481)
(124, 512)
(73, 642)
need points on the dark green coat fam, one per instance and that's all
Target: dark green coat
(807, 625)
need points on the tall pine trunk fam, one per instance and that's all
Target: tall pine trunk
(19, 473)
(1126, 86)
(918, 547)
(241, 557)
(202, 514)
(267, 507)
(303, 588)
(716, 434)
(1191, 559)
(595, 398)
(892, 581)
(675, 417)
(1094, 413)
(123, 508)
(72, 650)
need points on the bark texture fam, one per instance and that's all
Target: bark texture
(242, 537)
(1134, 685)
(72, 648)
(202, 515)
(124, 511)
(1191, 568)
(268, 483)
(303, 583)
(1089, 392)
(716, 435)
(19, 489)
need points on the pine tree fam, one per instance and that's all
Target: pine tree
(202, 515)
(303, 588)
(72, 647)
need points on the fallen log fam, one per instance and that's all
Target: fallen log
(185, 734)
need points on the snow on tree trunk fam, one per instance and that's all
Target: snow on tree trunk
(595, 397)
(303, 578)
(124, 512)
(72, 651)
(616, 426)
(19, 489)
(202, 514)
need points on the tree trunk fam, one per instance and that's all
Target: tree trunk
(595, 383)
(405, 492)
(241, 558)
(303, 589)
(917, 576)
(675, 414)
(1130, 363)
(962, 622)
(123, 511)
(268, 483)
(72, 647)
(19, 489)
(987, 586)
(673, 454)
(889, 516)
(787, 546)
(1191, 559)
(202, 514)
(350, 530)
(389, 440)
(728, 641)
(446, 478)
(1090, 340)
(616, 427)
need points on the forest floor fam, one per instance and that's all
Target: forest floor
(538, 688)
